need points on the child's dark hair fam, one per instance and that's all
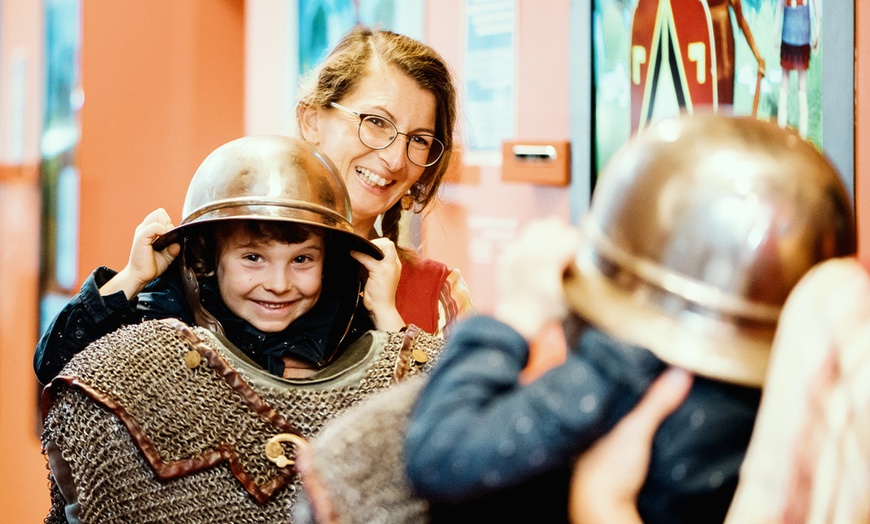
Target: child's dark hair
(204, 240)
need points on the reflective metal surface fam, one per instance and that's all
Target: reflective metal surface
(697, 232)
(269, 178)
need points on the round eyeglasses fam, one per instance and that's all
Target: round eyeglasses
(377, 132)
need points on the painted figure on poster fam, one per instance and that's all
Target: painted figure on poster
(797, 38)
(684, 58)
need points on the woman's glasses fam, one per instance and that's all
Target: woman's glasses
(377, 132)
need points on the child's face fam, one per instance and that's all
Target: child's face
(269, 284)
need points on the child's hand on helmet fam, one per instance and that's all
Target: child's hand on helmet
(529, 275)
(145, 264)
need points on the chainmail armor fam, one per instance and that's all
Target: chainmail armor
(205, 435)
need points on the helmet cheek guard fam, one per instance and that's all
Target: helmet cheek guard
(697, 232)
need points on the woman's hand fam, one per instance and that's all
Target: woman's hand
(379, 295)
(145, 264)
(530, 274)
(608, 477)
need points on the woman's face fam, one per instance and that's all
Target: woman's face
(376, 179)
(269, 283)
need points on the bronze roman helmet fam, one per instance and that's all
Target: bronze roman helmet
(276, 178)
(269, 178)
(697, 231)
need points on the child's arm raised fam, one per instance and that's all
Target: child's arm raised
(104, 302)
(145, 264)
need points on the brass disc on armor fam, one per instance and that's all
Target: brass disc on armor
(420, 356)
(274, 449)
(192, 358)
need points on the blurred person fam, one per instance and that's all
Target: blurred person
(697, 232)
(806, 458)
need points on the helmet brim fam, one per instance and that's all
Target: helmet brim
(707, 346)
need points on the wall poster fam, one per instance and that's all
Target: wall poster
(323, 22)
(489, 73)
(779, 60)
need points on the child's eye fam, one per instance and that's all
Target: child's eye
(302, 259)
(253, 257)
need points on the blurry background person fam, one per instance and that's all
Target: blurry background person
(697, 232)
(806, 460)
(798, 39)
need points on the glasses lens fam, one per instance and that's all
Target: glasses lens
(424, 150)
(378, 133)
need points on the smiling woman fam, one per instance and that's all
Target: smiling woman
(382, 106)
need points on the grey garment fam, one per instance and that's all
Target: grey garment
(151, 434)
(359, 457)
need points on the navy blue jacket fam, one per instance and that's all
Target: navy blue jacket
(479, 443)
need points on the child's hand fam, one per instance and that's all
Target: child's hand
(145, 264)
(379, 296)
(530, 275)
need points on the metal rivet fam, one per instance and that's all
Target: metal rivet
(192, 359)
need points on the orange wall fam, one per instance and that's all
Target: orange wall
(23, 496)
(164, 85)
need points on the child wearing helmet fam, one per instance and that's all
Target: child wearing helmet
(196, 371)
(308, 204)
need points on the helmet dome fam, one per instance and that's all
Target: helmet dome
(269, 178)
(697, 231)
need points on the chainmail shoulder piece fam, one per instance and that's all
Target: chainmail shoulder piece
(159, 422)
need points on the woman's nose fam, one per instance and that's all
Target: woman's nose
(394, 154)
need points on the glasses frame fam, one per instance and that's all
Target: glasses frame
(363, 116)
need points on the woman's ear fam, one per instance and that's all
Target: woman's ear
(308, 123)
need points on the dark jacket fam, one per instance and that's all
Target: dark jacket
(89, 316)
(479, 443)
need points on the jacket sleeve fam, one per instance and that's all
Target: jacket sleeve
(476, 429)
(87, 317)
